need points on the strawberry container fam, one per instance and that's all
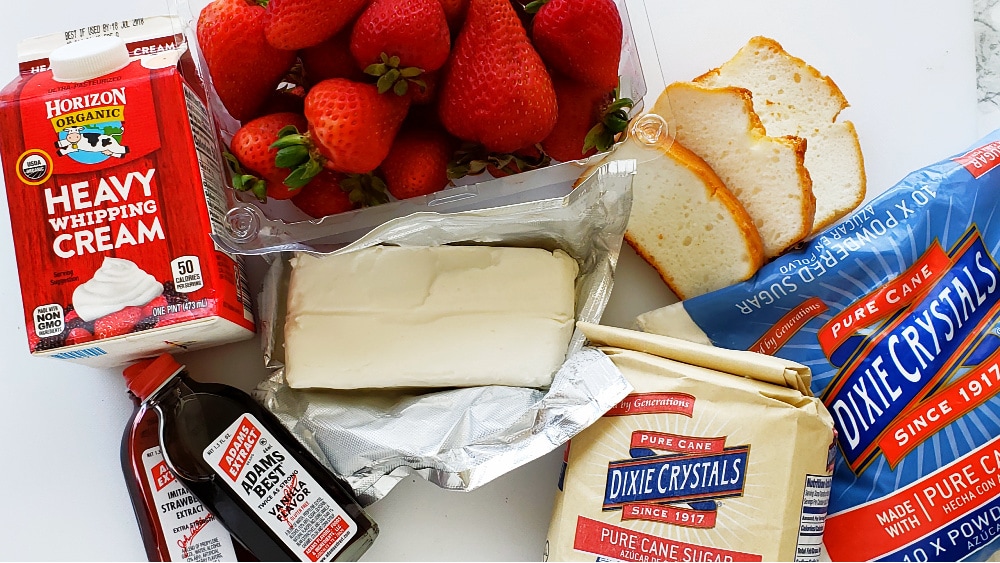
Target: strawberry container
(255, 227)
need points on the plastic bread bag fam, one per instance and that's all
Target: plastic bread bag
(896, 312)
(462, 438)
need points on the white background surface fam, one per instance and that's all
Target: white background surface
(907, 66)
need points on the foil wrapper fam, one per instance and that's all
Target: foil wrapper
(463, 438)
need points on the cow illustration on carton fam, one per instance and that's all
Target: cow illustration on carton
(75, 139)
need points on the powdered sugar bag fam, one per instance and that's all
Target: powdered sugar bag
(896, 311)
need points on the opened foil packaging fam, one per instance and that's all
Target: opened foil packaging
(463, 438)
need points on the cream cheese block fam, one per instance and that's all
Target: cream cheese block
(444, 316)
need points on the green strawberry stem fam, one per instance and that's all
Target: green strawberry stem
(469, 160)
(392, 77)
(297, 153)
(614, 120)
(243, 182)
(366, 190)
(533, 7)
(472, 159)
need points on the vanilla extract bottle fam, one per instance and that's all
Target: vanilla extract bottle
(173, 524)
(249, 471)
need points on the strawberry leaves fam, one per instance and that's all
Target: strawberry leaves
(533, 7)
(392, 77)
(243, 182)
(366, 190)
(295, 152)
(472, 159)
(614, 120)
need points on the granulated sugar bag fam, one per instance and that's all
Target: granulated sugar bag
(717, 455)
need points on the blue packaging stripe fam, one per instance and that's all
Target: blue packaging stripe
(79, 354)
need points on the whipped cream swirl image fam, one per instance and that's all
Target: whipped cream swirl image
(117, 284)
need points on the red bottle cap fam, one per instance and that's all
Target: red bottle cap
(144, 377)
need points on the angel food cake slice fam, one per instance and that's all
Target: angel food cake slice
(793, 98)
(767, 174)
(685, 223)
(445, 316)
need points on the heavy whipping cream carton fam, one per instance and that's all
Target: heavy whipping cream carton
(114, 186)
(716, 455)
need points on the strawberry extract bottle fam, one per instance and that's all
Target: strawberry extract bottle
(175, 526)
(248, 470)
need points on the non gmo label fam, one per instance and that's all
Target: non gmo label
(49, 320)
(279, 490)
(191, 532)
(186, 272)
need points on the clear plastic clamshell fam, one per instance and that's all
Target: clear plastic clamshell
(252, 227)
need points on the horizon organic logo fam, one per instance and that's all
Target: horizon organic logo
(108, 98)
(89, 127)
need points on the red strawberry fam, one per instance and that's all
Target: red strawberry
(78, 336)
(496, 91)
(297, 24)
(520, 8)
(117, 323)
(418, 163)
(581, 39)
(331, 59)
(323, 196)
(397, 40)
(244, 67)
(454, 12)
(351, 125)
(251, 146)
(590, 118)
(71, 319)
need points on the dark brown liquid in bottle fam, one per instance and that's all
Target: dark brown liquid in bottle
(192, 417)
(141, 434)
